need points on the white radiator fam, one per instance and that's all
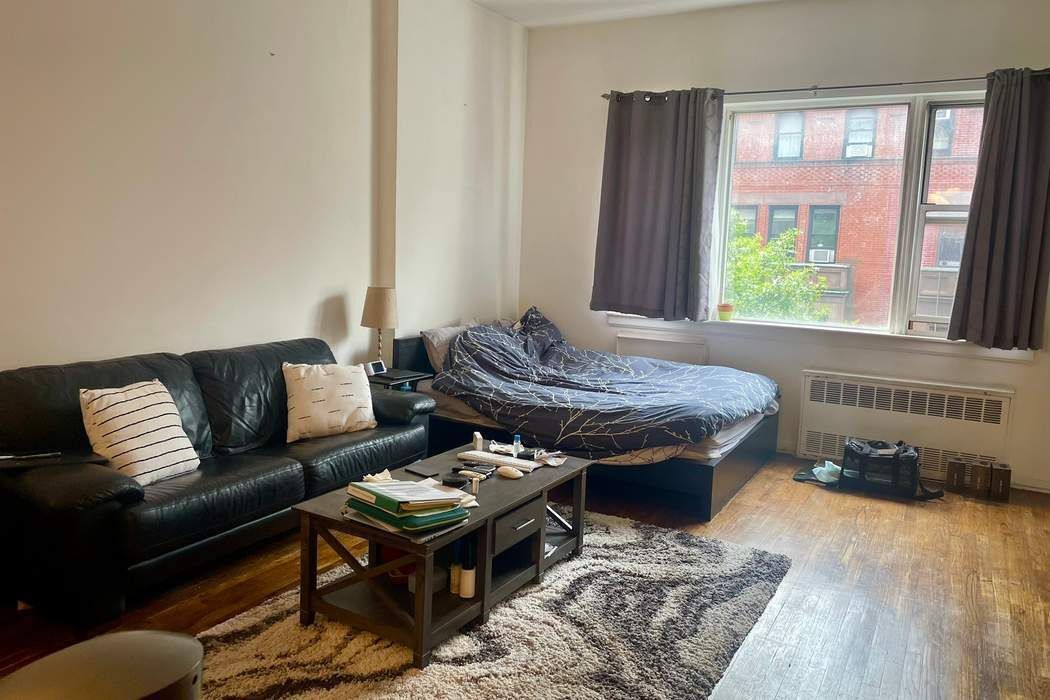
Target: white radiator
(944, 421)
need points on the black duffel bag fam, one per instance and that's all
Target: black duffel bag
(883, 467)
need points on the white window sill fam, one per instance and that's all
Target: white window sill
(842, 337)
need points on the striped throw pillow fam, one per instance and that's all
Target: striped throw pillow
(327, 400)
(139, 430)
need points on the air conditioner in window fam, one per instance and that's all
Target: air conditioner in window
(822, 255)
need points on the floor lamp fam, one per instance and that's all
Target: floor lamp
(380, 311)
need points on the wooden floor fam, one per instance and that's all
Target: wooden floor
(884, 599)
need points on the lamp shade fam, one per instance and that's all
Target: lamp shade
(380, 308)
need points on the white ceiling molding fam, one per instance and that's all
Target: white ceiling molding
(544, 13)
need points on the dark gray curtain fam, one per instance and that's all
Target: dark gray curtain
(658, 191)
(1001, 298)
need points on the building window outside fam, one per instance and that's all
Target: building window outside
(823, 234)
(850, 272)
(745, 219)
(782, 218)
(943, 131)
(950, 242)
(860, 134)
(788, 142)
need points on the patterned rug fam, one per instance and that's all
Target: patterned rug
(642, 612)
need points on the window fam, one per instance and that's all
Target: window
(949, 170)
(745, 219)
(883, 242)
(788, 142)
(860, 134)
(943, 131)
(823, 234)
(950, 245)
(782, 218)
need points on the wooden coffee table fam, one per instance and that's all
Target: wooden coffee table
(515, 545)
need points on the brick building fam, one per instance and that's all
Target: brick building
(835, 175)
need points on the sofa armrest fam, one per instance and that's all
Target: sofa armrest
(67, 518)
(400, 406)
(69, 488)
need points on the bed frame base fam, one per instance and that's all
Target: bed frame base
(709, 485)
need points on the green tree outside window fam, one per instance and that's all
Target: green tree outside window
(763, 281)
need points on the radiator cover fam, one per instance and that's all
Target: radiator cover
(943, 421)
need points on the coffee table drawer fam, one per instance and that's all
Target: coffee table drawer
(518, 524)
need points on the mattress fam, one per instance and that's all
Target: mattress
(451, 407)
(712, 447)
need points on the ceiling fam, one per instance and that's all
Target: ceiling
(541, 13)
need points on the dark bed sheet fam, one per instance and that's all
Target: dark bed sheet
(532, 382)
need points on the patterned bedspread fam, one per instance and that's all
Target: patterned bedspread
(531, 381)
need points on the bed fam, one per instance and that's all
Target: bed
(695, 431)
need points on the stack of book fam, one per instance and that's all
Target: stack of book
(405, 506)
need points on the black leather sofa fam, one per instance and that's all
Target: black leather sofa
(80, 536)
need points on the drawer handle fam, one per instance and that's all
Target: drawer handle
(528, 522)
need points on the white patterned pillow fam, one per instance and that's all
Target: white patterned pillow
(139, 430)
(327, 400)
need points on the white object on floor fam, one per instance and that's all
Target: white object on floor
(131, 664)
(479, 442)
(509, 472)
(827, 473)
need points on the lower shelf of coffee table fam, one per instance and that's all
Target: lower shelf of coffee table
(360, 604)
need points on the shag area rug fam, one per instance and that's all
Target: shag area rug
(642, 612)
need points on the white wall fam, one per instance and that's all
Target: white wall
(770, 46)
(460, 131)
(198, 174)
(183, 175)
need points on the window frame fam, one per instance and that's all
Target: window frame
(918, 140)
(801, 136)
(809, 232)
(851, 112)
(926, 212)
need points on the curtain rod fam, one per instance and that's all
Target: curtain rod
(815, 88)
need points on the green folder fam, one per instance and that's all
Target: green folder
(410, 522)
(402, 496)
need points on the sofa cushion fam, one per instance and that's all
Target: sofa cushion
(327, 400)
(245, 393)
(138, 430)
(224, 492)
(40, 406)
(332, 462)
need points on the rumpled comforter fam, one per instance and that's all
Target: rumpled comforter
(532, 382)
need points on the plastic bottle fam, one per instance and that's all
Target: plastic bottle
(516, 449)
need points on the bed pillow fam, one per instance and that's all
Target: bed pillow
(327, 400)
(139, 430)
(437, 341)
